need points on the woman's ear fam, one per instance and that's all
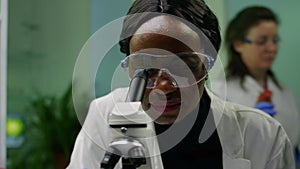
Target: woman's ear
(238, 46)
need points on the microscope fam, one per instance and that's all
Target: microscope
(131, 130)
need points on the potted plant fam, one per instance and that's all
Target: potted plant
(51, 127)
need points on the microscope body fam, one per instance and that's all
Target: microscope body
(132, 135)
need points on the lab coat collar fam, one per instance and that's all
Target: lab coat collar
(229, 133)
(251, 83)
(227, 126)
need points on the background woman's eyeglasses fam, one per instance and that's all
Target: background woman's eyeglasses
(263, 41)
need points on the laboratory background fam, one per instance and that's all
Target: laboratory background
(40, 42)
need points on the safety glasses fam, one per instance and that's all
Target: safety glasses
(182, 69)
(262, 41)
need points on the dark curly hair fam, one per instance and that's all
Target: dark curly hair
(193, 11)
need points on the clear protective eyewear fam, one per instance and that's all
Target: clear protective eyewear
(183, 69)
(262, 41)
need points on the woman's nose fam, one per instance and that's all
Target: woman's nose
(165, 82)
(272, 46)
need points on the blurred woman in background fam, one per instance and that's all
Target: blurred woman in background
(252, 43)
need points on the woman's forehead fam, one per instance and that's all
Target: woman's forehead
(264, 28)
(165, 32)
(151, 43)
(165, 23)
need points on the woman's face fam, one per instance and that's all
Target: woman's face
(260, 46)
(165, 102)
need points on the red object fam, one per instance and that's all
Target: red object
(265, 96)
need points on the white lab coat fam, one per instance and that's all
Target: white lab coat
(249, 138)
(284, 101)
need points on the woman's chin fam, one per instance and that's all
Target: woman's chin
(165, 120)
(163, 116)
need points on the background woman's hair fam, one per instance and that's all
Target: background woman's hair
(237, 30)
(194, 11)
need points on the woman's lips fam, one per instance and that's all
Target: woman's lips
(166, 106)
(268, 58)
